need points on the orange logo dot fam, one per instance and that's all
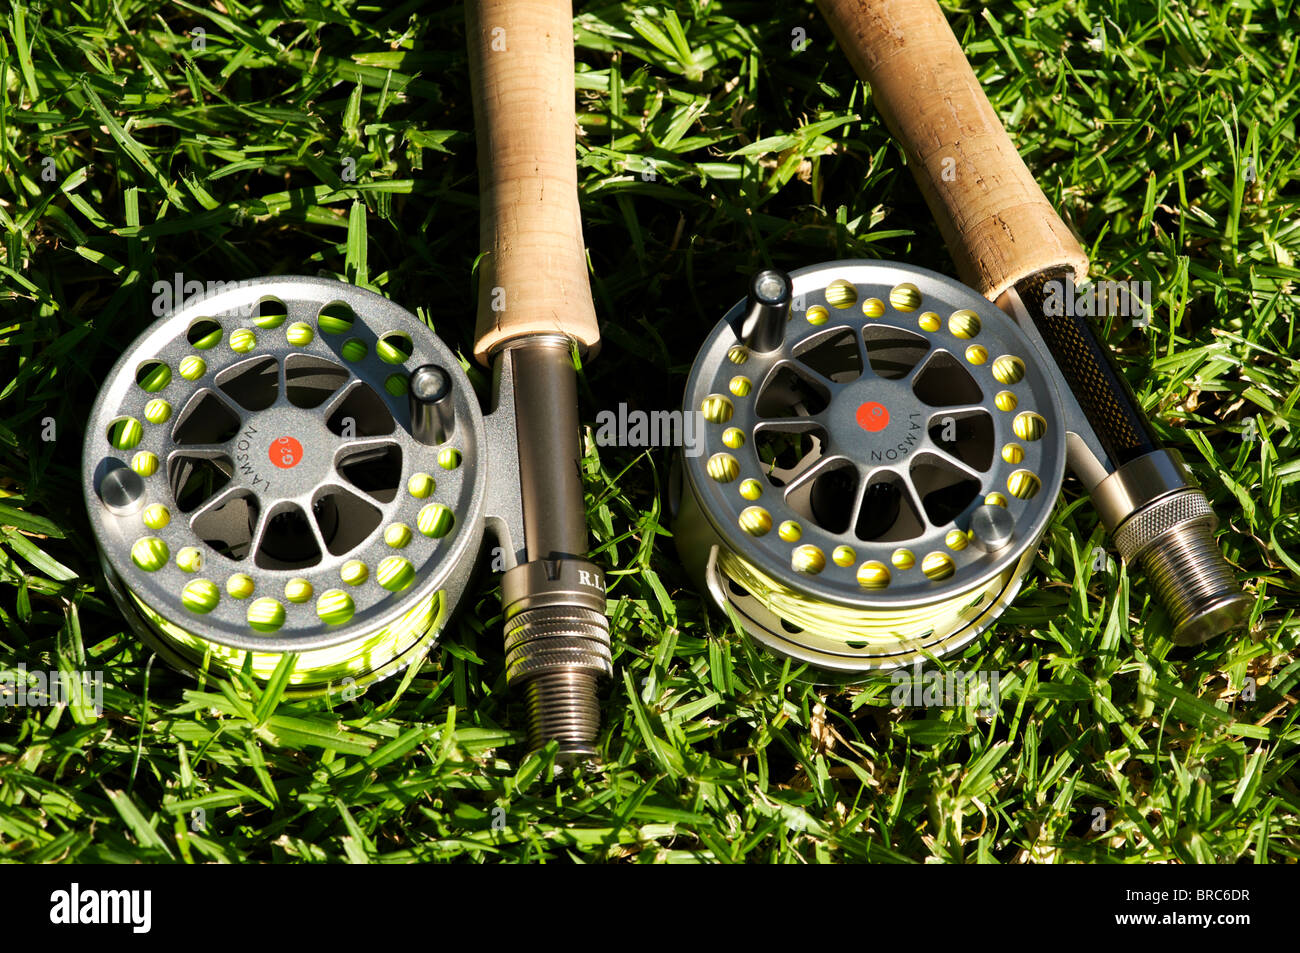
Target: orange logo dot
(873, 416)
(285, 452)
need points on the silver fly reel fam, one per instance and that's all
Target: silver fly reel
(881, 456)
(290, 465)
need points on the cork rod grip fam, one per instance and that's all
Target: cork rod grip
(533, 273)
(999, 226)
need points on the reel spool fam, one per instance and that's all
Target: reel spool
(876, 470)
(257, 487)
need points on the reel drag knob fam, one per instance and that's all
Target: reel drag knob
(991, 527)
(433, 416)
(121, 490)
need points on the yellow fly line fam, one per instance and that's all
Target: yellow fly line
(361, 658)
(878, 629)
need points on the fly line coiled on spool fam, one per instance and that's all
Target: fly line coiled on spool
(256, 490)
(874, 480)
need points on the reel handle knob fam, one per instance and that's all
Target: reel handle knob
(433, 418)
(762, 328)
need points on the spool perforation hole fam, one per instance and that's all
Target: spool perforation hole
(964, 324)
(938, 566)
(841, 294)
(1024, 484)
(717, 409)
(270, 313)
(1029, 425)
(145, 463)
(722, 467)
(152, 376)
(755, 521)
(873, 575)
(395, 347)
(808, 559)
(243, 340)
(192, 367)
(335, 318)
(203, 334)
(335, 607)
(200, 596)
(1008, 369)
(395, 573)
(125, 433)
(905, 297)
(150, 553)
(265, 614)
(435, 520)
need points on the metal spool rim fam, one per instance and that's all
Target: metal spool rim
(892, 297)
(306, 361)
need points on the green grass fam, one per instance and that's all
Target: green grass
(1173, 153)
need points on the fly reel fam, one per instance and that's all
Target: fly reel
(881, 455)
(287, 466)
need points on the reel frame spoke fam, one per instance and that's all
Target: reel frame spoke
(340, 397)
(218, 500)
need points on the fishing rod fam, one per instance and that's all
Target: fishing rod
(292, 476)
(885, 445)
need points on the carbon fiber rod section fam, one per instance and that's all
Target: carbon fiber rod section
(1090, 372)
(1149, 502)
